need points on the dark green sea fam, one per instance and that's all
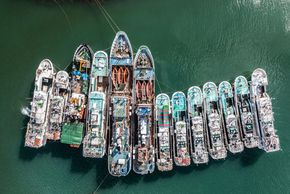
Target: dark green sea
(192, 41)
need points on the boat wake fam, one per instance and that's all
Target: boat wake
(25, 111)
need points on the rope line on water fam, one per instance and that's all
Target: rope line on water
(158, 84)
(101, 183)
(67, 66)
(65, 15)
(107, 19)
(107, 49)
(108, 15)
(57, 67)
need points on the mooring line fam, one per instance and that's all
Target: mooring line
(107, 19)
(65, 15)
(101, 184)
(66, 66)
(108, 15)
(158, 84)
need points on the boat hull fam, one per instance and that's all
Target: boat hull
(144, 99)
(245, 112)
(262, 104)
(164, 148)
(40, 106)
(76, 108)
(198, 141)
(216, 147)
(95, 140)
(229, 117)
(181, 134)
(121, 106)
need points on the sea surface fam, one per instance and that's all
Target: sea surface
(192, 41)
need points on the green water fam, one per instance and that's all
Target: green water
(192, 42)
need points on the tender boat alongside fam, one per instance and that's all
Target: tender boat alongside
(180, 135)
(262, 103)
(245, 112)
(198, 136)
(40, 105)
(74, 115)
(216, 147)
(144, 98)
(57, 105)
(229, 118)
(163, 134)
(120, 120)
(95, 140)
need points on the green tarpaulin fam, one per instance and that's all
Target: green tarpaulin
(72, 133)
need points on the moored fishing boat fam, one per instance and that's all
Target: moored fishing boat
(229, 118)
(57, 105)
(120, 119)
(197, 131)
(180, 135)
(216, 147)
(95, 140)
(262, 104)
(163, 134)
(74, 114)
(38, 123)
(245, 112)
(144, 98)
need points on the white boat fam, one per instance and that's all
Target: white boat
(262, 104)
(57, 105)
(181, 135)
(229, 117)
(38, 123)
(216, 145)
(245, 112)
(197, 131)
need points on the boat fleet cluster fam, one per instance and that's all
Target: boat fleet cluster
(108, 105)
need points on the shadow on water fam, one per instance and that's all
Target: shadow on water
(250, 156)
